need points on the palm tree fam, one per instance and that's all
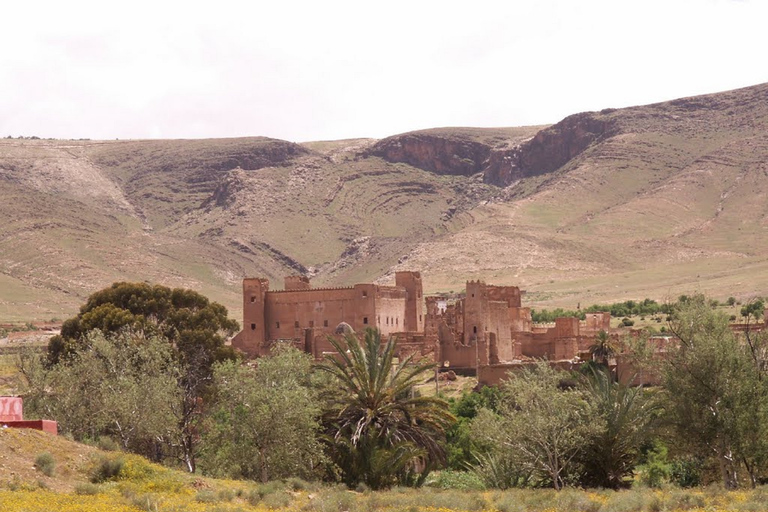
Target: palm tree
(379, 432)
(627, 418)
(603, 348)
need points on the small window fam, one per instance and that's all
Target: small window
(253, 327)
(296, 324)
(387, 320)
(278, 324)
(311, 323)
(419, 318)
(473, 294)
(397, 320)
(365, 320)
(365, 293)
(474, 329)
(325, 323)
(253, 298)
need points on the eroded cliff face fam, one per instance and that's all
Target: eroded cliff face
(548, 150)
(433, 153)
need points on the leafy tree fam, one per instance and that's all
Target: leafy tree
(626, 417)
(461, 446)
(192, 323)
(195, 327)
(544, 426)
(377, 425)
(124, 387)
(754, 309)
(265, 423)
(716, 393)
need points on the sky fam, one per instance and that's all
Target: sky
(326, 70)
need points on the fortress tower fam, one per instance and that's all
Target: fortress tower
(414, 307)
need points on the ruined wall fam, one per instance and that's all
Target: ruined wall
(520, 319)
(414, 307)
(297, 283)
(509, 294)
(499, 332)
(597, 322)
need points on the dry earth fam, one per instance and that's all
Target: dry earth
(649, 201)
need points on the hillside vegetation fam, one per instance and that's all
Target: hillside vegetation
(650, 201)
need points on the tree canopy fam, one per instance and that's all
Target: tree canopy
(196, 326)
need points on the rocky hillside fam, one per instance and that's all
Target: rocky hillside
(653, 201)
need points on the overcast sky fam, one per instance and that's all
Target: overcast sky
(330, 70)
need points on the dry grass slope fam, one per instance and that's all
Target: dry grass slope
(660, 200)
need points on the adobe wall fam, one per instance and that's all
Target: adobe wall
(520, 319)
(414, 307)
(390, 309)
(509, 294)
(288, 313)
(296, 283)
(495, 374)
(11, 408)
(499, 332)
(251, 339)
(12, 416)
(597, 322)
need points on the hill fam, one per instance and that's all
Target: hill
(652, 201)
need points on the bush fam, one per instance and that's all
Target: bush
(45, 463)
(657, 469)
(279, 499)
(87, 489)
(106, 469)
(107, 444)
(461, 480)
(626, 322)
(686, 472)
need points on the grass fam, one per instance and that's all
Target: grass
(337, 499)
(143, 486)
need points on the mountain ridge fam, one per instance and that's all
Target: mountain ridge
(622, 203)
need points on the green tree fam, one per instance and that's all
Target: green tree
(265, 423)
(716, 394)
(626, 419)
(124, 387)
(544, 426)
(195, 327)
(377, 425)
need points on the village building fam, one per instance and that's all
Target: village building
(485, 332)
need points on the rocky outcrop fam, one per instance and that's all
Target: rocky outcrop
(438, 154)
(548, 150)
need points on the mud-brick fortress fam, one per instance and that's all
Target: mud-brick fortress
(486, 332)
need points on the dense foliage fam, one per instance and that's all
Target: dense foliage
(380, 431)
(160, 382)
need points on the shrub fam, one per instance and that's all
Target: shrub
(461, 480)
(279, 499)
(107, 468)
(87, 489)
(626, 322)
(107, 444)
(45, 463)
(206, 497)
(686, 472)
